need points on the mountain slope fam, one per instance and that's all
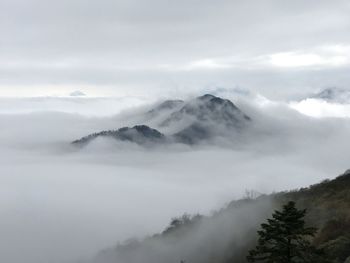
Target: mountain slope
(334, 95)
(167, 105)
(228, 234)
(139, 134)
(192, 122)
(208, 108)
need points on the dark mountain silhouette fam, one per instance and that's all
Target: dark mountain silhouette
(206, 117)
(228, 234)
(200, 119)
(209, 109)
(140, 134)
(194, 133)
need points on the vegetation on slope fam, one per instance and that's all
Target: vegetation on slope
(228, 234)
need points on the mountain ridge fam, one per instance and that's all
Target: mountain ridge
(192, 122)
(334, 95)
(228, 234)
(137, 133)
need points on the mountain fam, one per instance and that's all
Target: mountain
(167, 105)
(139, 134)
(192, 122)
(335, 95)
(206, 117)
(228, 234)
(77, 93)
(209, 109)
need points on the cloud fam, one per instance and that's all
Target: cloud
(327, 56)
(202, 64)
(83, 105)
(320, 108)
(111, 46)
(60, 204)
(315, 58)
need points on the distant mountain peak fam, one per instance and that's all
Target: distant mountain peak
(333, 94)
(191, 122)
(206, 97)
(209, 108)
(139, 134)
(77, 93)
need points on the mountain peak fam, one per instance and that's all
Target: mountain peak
(206, 97)
(333, 94)
(197, 120)
(77, 93)
(209, 108)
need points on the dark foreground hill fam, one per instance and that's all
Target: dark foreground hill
(228, 234)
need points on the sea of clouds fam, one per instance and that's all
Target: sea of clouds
(63, 204)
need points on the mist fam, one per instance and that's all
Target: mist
(60, 203)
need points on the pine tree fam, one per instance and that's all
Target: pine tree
(284, 239)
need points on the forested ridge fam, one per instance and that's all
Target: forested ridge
(228, 234)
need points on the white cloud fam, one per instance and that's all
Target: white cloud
(98, 195)
(200, 64)
(320, 108)
(291, 59)
(82, 105)
(324, 56)
(319, 57)
(207, 64)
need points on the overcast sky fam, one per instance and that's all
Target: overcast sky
(134, 47)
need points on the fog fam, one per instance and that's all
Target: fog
(64, 204)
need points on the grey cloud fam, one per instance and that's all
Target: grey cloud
(72, 41)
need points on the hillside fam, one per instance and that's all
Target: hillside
(228, 234)
(140, 134)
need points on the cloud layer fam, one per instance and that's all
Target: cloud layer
(124, 48)
(70, 203)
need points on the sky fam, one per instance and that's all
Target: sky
(147, 48)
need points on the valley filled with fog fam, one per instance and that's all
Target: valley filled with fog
(62, 203)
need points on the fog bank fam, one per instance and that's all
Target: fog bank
(61, 204)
